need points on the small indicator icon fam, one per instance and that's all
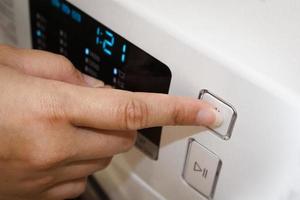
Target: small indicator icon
(39, 33)
(87, 51)
(115, 71)
(197, 168)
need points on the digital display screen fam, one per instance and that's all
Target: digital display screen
(60, 27)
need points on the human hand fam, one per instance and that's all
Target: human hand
(54, 134)
(45, 65)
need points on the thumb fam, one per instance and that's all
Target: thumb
(45, 65)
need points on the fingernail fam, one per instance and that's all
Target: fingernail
(209, 117)
(218, 118)
(92, 81)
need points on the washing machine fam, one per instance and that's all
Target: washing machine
(240, 56)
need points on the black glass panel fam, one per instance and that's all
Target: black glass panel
(95, 49)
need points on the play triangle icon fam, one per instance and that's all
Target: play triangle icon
(197, 167)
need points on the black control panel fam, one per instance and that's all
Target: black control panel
(95, 49)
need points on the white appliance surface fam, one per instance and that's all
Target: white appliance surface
(246, 52)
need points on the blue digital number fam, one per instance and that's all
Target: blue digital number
(99, 33)
(123, 55)
(108, 43)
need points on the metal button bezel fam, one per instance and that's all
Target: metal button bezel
(228, 134)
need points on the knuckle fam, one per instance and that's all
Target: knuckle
(52, 108)
(45, 161)
(62, 60)
(67, 67)
(135, 114)
(178, 114)
(46, 157)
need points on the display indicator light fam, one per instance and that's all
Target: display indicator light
(39, 33)
(115, 71)
(87, 51)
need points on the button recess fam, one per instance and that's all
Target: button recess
(201, 169)
(228, 112)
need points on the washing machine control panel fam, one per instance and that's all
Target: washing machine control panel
(95, 49)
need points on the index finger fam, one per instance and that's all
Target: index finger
(123, 110)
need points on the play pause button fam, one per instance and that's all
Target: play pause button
(197, 168)
(201, 169)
